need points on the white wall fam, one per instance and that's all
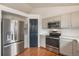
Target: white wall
(54, 11)
(70, 32)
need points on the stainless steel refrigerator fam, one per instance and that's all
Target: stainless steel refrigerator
(12, 37)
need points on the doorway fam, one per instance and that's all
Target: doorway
(33, 34)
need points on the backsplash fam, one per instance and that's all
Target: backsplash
(70, 32)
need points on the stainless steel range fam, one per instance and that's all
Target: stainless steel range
(52, 41)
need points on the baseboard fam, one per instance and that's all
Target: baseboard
(62, 54)
(43, 47)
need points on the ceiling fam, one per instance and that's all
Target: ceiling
(19, 6)
(27, 7)
(37, 5)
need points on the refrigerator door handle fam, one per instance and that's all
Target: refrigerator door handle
(8, 36)
(15, 37)
(7, 45)
(12, 36)
(15, 32)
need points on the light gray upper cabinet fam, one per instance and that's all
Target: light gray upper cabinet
(44, 23)
(57, 18)
(66, 21)
(50, 19)
(70, 20)
(75, 20)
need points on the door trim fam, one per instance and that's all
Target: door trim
(39, 21)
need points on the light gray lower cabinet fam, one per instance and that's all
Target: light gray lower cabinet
(65, 47)
(43, 41)
(68, 47)
(20, 47)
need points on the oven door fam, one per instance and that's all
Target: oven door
(52, 44)
(52, 41)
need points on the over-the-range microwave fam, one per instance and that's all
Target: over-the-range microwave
(55, 24)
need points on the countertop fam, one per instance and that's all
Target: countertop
(71, 37)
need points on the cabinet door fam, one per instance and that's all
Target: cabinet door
(75, 20)
(66, 21)
(57, 18)
(20, 47)
(43, 41)
(66, 46)
(44, 23)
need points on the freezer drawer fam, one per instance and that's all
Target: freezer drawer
(8, 50)
(20, 47)
(13, 49)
